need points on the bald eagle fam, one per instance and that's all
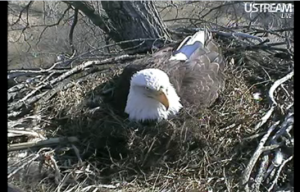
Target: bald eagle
(159, 86)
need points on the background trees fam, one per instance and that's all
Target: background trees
(40, 31)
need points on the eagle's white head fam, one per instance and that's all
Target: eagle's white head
(151, 96)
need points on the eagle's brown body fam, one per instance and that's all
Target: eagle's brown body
(197, 81)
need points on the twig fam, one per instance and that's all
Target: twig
(129, 41)
(278, 172)
(229, 34)
(46, 79)
(260, 175)
(54, 24)
(72, 29)
(17, 105)
(277, 83)
(21, 161)
(51, 141)
(99, 186)
(226, 181)
(277, 160)
(16, 88)
(27, 72)
(57, 171)
(269, 148)
(196, 19)
(285, 127)
(23, 165)
(218, 7)
(265, 118)
(21, 12)
(273, 32)
(77, 153)
(66, 84)
(76, 69)
(254, 136)
(257, 153)
(30, 133)
(150, 148)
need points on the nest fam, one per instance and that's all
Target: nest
(83, 145)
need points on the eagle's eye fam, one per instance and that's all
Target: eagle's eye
(147, 88)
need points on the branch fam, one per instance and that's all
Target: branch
(14, 133)
(254, 158)
(278, 173)
(23, 165)
(220, 6)
(285, 128)
(72, 29)
(90, 12)
(24, 72)
(260, 175)
(277, 83)
(226, 34)
(21, 12)
(265, 118)
(54, 24)
(17, 105)
(48, 142)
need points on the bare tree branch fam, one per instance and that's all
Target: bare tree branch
(72, 30)
(54, 24)
(21, 12)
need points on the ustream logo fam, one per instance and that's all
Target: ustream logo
(286, 9)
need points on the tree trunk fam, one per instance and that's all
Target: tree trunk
(135, 20)
(128, 20)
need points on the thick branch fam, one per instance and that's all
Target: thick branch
(49, 142)
(90, 12)
(72, 29)
(257, 153)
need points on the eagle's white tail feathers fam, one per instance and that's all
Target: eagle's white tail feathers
(185, 41)
(200, 36)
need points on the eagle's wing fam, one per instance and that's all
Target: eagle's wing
(199, 79)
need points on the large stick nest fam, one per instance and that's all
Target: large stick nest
(231, 146)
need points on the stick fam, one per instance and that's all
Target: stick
(76, 150)
(265, 118)
(254, 136)
(52, 141)
(29, 133)
(257, 153)
(57, 171)
(230, 34)
(277, 83)
(260, 175)
(70, 72)
(22, 166)
(23, 72)
(278, 172)
(285, 127)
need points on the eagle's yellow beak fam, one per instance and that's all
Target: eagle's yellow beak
(162, 98)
